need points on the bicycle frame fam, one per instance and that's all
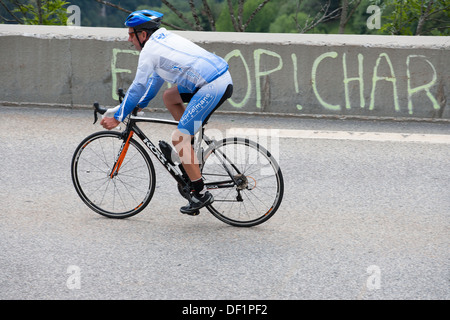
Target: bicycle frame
(132, 129)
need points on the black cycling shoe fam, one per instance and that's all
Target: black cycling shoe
(195, 213)
(196, 203)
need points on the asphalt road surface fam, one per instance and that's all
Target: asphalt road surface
(365, 215)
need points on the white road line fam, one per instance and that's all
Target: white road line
(343, 135)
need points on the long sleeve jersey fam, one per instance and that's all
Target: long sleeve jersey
(169, 57)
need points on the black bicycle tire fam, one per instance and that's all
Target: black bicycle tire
(279, 176)
(85, 198)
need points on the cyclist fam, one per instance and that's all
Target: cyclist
(202, 80)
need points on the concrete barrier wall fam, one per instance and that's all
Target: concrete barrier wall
(309, 75)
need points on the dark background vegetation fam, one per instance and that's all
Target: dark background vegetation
(398, 17)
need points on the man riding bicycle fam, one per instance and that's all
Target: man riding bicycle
(202, 80)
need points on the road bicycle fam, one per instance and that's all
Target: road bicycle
(114, 175)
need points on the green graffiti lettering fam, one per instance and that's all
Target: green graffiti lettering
(258, 74)
(237, 53)
(425, 87)
(314, 80)
(294, 64)
(391, 79)
(359, 78)
(383, 62)
(115, 70)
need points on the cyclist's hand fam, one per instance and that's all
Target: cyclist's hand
(109, 123)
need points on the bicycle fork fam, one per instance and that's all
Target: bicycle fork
(121, 156)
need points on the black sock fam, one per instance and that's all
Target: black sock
(199, 187)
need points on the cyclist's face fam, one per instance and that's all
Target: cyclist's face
(132, 38)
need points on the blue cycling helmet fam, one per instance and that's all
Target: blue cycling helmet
(144, 20)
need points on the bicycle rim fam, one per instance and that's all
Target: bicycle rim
(122, 196)
(254, 192)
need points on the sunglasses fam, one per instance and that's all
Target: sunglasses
(133, 33)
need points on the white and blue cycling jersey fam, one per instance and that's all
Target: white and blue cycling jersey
(172, 58)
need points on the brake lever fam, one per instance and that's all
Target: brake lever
(101, 110)
(121, 94)
(98, 109)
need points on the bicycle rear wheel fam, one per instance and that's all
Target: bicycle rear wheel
(245, 180)
(126, 193)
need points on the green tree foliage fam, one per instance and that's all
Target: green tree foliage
(416, 17)
(399, 17)
(260, 23)
(37, 12)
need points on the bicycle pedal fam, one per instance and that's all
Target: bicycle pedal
(196, 213)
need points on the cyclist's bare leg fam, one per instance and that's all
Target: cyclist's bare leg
(182, 143)
(200, 197)
(174, 103)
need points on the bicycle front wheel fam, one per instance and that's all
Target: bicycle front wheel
(245, 180)
(126, 193)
